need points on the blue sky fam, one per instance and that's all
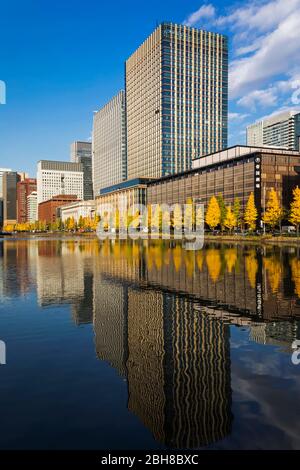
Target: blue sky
(61, 60)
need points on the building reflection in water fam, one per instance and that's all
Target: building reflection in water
(178, 308)
(162, 315)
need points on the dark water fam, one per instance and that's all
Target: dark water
(148, 346)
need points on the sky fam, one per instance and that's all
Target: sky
(61, 60)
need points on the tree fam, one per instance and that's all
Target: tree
(237, 211)
(189, 215)
(274, 212)
(71, 224)
(199, 217)
(177, 218)
(223, 211)
(250, 215)
(230, 219)
(294, 217)
(156, 218)
(213, 213)
(80, 222)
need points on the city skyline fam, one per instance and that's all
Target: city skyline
(59, 109)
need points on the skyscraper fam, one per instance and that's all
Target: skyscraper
(281, 130)
(2, 171)
(109, 144)
(59, 178)
(81, 152)
(176, 100)
(9, 188)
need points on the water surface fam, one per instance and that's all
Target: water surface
(145, 345)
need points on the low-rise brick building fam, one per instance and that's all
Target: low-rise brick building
(47, 211)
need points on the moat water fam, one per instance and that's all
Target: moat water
(144, 345)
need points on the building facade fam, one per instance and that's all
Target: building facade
(2, 171)
(24, 189)
(9, 189)
(235, 172)
(81, 152)
(123, 195)
(281, 130)
(109, 144)
(176, 100)
(32, 207)
(59, 178)
(255, 134)
(47, 210)
(78, 209)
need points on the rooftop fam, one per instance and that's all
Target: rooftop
(236, 152)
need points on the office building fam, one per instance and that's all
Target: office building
(176, 100)
(24, 189)
(235, 172)
(78, 209)
(59, 178)
(2, 171)
(255, 134)
(281, 130)
(109, 144)
(9, 190)
(32, 207)
(123, 195)
(47, 210)
(81, 152)
(1, 213)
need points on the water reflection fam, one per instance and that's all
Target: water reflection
(162, 316)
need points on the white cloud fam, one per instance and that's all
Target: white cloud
(256, 98)
(278, 111)
(204, 12)
(237, 116)
(264, 71)
(279, 50)
(259, 16)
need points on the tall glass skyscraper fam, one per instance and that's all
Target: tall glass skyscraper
(109, 144)
(176, 100)
(81, 152)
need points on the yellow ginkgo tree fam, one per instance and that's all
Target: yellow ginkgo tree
(213, 213)
(294, 216)
(251, 214)
(274, 212)
(230, 220)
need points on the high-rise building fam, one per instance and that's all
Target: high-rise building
(281, 130)
(109, 144)
(81, 152)
(176, 100)
(58, 178)
(32, 207)
(9, 189)
(2, 171)
(1, 212)
(255, 134)
(24, 189)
